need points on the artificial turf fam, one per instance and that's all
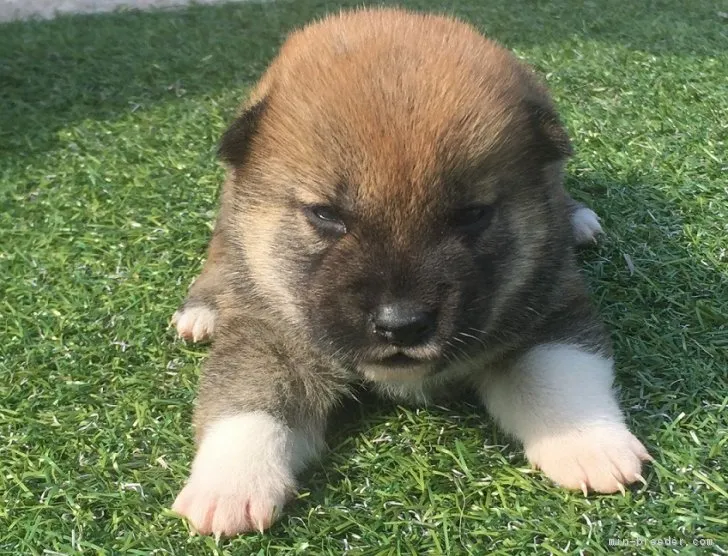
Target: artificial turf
(108, 126)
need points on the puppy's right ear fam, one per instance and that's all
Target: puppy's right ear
(552, 140)
(235, 144)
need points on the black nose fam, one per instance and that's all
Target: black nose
(404, 324)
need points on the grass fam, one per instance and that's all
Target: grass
(107, 187)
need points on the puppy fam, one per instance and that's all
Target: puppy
(394, 215)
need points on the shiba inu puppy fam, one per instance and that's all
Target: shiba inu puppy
(394, 215)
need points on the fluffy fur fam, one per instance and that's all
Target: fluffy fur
(393, 159)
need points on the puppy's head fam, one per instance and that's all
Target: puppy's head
(397, 190)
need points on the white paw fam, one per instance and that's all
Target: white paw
(586, 226)
(602, 458)
(195, 323)
(241, 477)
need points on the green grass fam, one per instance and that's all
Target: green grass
(108, 127)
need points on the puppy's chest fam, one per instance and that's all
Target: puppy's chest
(452, 383)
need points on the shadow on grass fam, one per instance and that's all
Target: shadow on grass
(105, 66)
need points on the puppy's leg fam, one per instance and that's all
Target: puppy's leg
(195, 319)
(584, 223)
(558, 400)
(260, 419)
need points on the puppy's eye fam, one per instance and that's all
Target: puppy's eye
(325, 219)
(472, 218)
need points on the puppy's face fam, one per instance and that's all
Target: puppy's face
(396, 211)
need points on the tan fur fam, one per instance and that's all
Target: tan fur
(325, 87)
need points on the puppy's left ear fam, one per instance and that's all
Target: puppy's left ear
(551, 140)
(235, 144)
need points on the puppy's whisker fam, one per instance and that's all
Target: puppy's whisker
(534, 311)
(466, 335)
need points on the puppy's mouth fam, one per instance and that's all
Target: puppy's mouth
(403, 357)
(398, 360)
(400, 365)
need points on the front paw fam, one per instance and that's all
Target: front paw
(244, 502)
(241, 477)
(602, 458)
